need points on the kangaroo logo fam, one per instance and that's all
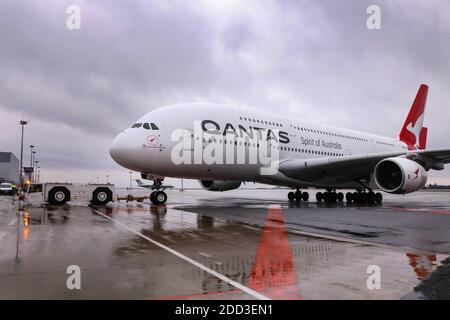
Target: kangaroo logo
(416, 173)
(415, 129)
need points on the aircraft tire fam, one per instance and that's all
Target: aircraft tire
(291, 196)
(160, 197)
(378, 197)
(319, 196)
(349, 197)
(152, 197)
(305, 196)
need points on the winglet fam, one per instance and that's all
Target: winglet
(412, 132)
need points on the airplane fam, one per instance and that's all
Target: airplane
(141, 184)
(217, 145)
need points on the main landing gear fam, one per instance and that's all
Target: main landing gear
(158, 196)
(298, 196)
(331, 196)
(359, 196)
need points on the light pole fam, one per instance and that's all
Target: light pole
(31, 155)
(35, 175)
(22, 123)
(131, 179)
(32, 165)
(39, 173)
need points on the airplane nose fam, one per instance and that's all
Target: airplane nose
(118, 149)
(127, 151)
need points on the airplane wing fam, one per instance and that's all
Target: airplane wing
(343, 169)
(353, 167)
(431, 159)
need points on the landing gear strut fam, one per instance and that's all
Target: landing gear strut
(158, 196)
(298, 196)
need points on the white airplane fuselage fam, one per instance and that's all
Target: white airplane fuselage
(149, 150)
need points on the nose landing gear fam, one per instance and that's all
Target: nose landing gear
(158, 196)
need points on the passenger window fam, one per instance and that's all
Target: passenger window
(146, 126)
(154, 126)
(137, 125)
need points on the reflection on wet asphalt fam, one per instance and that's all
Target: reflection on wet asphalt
(246, 239)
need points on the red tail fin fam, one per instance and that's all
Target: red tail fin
(412, 133)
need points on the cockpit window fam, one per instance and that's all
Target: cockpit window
(148, 126)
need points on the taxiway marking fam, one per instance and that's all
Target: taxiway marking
(235, 284)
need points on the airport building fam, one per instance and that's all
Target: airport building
(9, 167)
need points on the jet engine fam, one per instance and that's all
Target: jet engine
(220, 185)
(399, 175)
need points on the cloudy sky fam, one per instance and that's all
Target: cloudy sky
(315, 60)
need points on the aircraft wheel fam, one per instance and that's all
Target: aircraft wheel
(349, 197)
(340, 197)
(152, 197)
(328, 197)
(371, 198)
(159, 197)
(305, 196)
(291, 196)
(334, 197)
(319, 196)
(378, 197)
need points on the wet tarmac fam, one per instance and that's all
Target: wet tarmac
(243, 244)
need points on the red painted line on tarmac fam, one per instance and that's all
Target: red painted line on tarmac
(419, 210)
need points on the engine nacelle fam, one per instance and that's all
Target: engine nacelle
(220, 185)
(399, 175)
